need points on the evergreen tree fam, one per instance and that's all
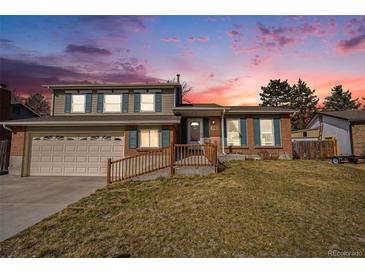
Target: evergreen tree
(340, 100)
(38, 103)
(276, 94)
(304, 101)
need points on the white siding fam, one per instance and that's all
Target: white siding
(338, 128)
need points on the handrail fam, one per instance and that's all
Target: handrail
(176, 155)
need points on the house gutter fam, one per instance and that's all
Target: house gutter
(222, 131)
(7, 128)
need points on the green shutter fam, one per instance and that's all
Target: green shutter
(133, 138)
(256, 131)
(277, 134)
(165, 137)
(68, 99)
(206, 127)
(100, 103)
(225, 132)
(184, 128)
(243, 132)
(125, 102)
(137, 102)
(158, 102)
(88, 103)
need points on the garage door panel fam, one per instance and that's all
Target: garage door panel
(74, 156)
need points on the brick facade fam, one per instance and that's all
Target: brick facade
(358, 139)
(285, 150)
(17, 142)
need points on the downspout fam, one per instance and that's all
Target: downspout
(351, 139)
(7, 128)
(222, 131)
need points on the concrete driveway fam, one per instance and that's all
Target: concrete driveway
(28, 200)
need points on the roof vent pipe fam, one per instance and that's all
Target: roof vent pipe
(178, 78)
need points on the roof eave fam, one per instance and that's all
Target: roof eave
(118, 85)
(89, 123)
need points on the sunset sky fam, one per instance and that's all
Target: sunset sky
(226, 59)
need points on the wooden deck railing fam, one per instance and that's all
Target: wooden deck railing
(195, 155)
(136, 165)
(176, 155)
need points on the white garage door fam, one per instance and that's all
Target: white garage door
(74, 156)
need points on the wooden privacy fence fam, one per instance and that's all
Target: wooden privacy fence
(314, 150)
(176, 155)
(4, 155)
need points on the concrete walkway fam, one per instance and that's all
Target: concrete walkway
(28, 200)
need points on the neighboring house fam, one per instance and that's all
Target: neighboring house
(347, 127)
(91, 123)
(308, 134)
(21, 111)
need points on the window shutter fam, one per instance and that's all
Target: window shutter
(100, 103)
(256, 131)
(158, 102)
(88, 103)
(125, 102)
(225, 132)
(277, 134)
(68, 100)
(133, 138)
(243, 122)
(165, 137)
(206, 127)
(137, 102)
(183, 130)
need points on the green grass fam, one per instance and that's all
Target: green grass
(252, 209)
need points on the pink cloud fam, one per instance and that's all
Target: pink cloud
(173, 39)
(202, 39)
(354, 43)
(233, 33)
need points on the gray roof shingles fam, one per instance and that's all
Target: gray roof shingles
(99, 118)
(350, 115)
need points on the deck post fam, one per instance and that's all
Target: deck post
(172, 149)
(108, 179)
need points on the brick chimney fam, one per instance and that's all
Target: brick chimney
(178, 78)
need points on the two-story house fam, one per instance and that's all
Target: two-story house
(91, 123)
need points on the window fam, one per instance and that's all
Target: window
(149, 138)
(233, 132)
(78, 103)
(147, 102)
(267, 132)
(112, 102)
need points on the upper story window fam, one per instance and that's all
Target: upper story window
(147, 102)
(267, 132)
(112, 102)
(233, 132)
(78, 103)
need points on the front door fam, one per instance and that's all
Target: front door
(195, 130)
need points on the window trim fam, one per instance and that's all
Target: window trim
(120, 105)
(272, 132)
(72, 102)
(149, 138)
(239, 131)
(154, 102)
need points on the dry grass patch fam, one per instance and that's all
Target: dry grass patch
(252, 209)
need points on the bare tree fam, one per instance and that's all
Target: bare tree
(186, 90)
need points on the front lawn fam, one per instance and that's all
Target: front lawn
(252, 209)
